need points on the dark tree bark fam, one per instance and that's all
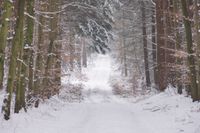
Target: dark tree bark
(179, 60)
(51, 83)
(29, 57)
(160, 69)
(144, 34)
(197, 28)
(191, 60)
(153, 39)
(169, 43)
(7, 11)
(41, 54)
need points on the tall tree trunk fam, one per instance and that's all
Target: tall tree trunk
(197, 27)
(169, 43)
(58, 49)
(29, 57)
(71, 49)
(177, 45)
(144, 34)
(125, 69)
(191, 60)
(160, 69)
(16, 49)
(50, 70)
(40, 53)
(153, 39)
(7, 11)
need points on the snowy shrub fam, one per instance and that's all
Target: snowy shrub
(71, 93)
(121, 87)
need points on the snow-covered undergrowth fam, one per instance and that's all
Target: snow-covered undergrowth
(93, 79)
(71, 93)
(127, 87)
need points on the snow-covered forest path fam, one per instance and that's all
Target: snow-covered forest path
(103, 112)
(98, 73)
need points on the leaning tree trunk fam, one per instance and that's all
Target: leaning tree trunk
(16, 49)
(7, 11)
(191, 60)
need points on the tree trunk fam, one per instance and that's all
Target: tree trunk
(16, 49)
(197, 27)
(71, 49)
(7, 11)
(50, 71)
(144, 35)
(40, 54)
(191, 60)
(124, 47)
(153, 39)
(29, 41)
(169, 44)
(160, 69)
(177, 39)
(27, 58)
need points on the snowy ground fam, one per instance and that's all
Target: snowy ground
(102, 112)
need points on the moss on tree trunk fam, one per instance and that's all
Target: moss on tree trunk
(7, 11)
(16, 50)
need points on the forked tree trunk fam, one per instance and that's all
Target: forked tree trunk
(16, 49)
(23, 73)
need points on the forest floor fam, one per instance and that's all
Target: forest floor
(102, 112)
